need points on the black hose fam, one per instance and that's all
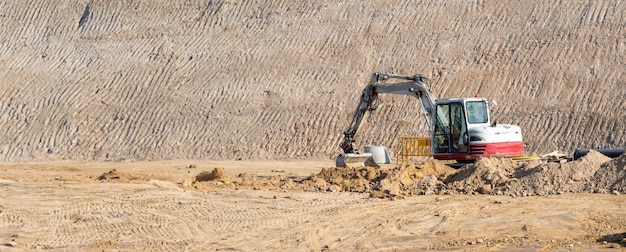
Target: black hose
(612, 153)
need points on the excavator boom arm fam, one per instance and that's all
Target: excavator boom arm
(416, 87)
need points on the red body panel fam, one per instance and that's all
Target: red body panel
(508, 149)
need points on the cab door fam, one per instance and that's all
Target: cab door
(450, 134)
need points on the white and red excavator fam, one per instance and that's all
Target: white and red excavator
(460, 129)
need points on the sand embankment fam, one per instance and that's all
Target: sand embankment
(153, 80)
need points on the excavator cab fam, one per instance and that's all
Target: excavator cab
(463, 132)
(450, 133)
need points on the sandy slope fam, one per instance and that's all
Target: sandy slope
(160, 80)
(64, 206)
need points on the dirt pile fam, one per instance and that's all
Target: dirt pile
(593, 173)
(423, 178)
(403, 180)
(206, 181)
(484, 176)
(217, 174)
(117, 176)
(353, 179)
(611, 177)
(556, 178)
(496, 176)
(502, 176)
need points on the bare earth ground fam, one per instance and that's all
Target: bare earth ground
(154, 206)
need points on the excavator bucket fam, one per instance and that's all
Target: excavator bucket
(356, 160)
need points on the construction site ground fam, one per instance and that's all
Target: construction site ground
(495, 204)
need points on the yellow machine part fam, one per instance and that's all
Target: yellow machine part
(409, 146)
(412, 147)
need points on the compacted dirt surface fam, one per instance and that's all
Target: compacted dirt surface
(495, 204)
(213, 125)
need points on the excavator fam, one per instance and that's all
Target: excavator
(460, 129)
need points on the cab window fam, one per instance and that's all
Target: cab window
(477, 112)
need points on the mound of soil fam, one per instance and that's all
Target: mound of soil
(217, 174)
(497, 176)
(556, 178)
(484, 176)
(206, 181)
(503, 176)
(425, 178)
(117, 176)
(611, 177)
(403, 180)
(350, 179)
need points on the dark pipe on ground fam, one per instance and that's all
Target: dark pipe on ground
(612, 153)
